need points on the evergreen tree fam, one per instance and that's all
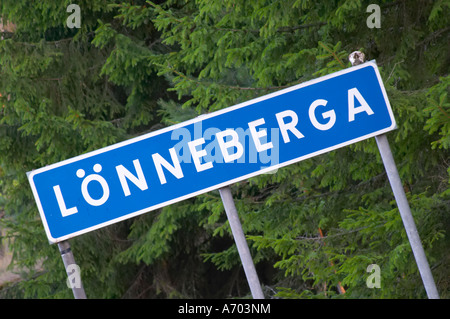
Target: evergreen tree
(314, 227)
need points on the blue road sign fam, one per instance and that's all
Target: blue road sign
(259, 136)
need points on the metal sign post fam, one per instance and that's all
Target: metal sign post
(241, 243)
(74, 279)
(407, 218)
(357, 58)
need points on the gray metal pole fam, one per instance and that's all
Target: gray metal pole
(69, 260)
(408, 220)
(241, 243)
(402, 203)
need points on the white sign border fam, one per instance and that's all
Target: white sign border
(31, 174)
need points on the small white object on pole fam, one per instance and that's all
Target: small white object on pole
(241, 243)
(357, 58)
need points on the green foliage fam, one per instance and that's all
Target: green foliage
(136, 66)
(439, 113)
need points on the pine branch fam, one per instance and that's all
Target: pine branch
(232, 87)
(281, 29)
(433, 36)
(332, 53)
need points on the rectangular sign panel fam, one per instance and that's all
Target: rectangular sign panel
(111, 184)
